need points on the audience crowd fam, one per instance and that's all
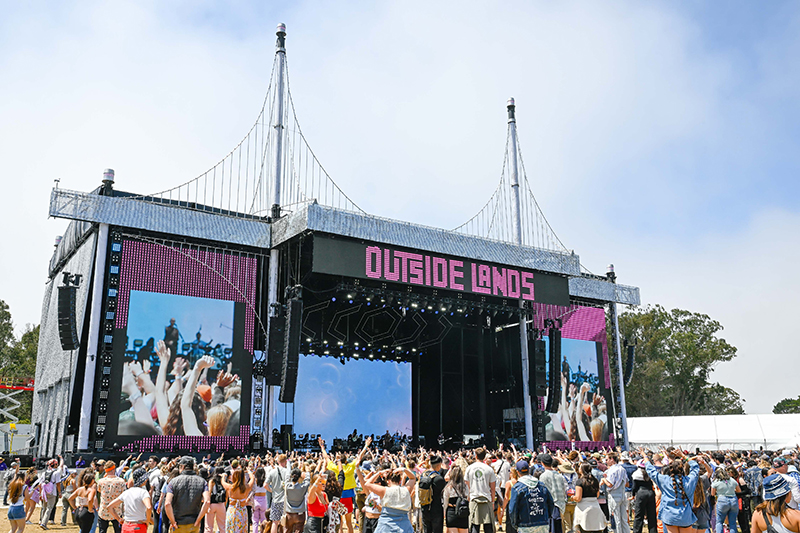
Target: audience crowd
(377, 491)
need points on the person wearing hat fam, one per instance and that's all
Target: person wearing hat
(780, 465)
(187, 498)
(571, 479)
(530, 504)
(433, 511)
(775, 512)
(138, 508)
(557, 486)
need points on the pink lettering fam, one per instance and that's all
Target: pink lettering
(415, 269)
(475, 286)
(427, 270)
(514, 288)
(373, 258)
(439, 272)
(456, 274)
(404, 256)
(485, 278)
(387, 266)
(499, 281)
(527, 285)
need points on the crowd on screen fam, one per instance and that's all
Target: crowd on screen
(375, 490)
(181, 399)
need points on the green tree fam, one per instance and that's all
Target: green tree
(786, 406)
(17, 360)
(676, 352)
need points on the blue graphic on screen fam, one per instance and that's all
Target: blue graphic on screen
(581, 356)
(334, 399)
(149, 313)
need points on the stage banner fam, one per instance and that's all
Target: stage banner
(380, 262)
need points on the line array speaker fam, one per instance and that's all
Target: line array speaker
(277, 338)
(554, 385)
(67, 322)
(291, 350)
(538, 368)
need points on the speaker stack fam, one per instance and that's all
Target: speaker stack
(554, 375)
(67, 322)
(291, 350)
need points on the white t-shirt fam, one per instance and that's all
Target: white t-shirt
(479, 477)
(503, 471)
(135, 509)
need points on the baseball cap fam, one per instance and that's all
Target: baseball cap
(187, 460)
(779, 462)
(522, 466)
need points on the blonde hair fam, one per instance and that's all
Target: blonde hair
(218, 417)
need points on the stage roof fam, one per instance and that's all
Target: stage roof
(194, 221)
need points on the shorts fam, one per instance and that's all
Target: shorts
(276, 512)
(16, 512)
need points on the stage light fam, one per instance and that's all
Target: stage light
(355, 344)
(350, 296)
(333, 299)
(430, 308)
(413, 349)
(326, 352)
(444, 308)
(371, 356)
(350, 301)
(340, 343)
(414, 305)
(308, 339)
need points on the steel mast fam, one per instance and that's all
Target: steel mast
(523, 329)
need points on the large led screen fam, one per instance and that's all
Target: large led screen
(183, 345)
(332, 400)
(582, 413)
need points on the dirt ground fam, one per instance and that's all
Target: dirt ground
(34, 528)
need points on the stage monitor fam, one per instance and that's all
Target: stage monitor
(369, 396)
(182, 348)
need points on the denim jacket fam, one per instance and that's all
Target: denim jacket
(670, 511)
(530, 503)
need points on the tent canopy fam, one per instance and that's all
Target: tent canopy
(724, 432)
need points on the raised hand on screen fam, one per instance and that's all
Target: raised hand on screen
(128, 381)
(179, 366)
(163, 352)
(204, 362)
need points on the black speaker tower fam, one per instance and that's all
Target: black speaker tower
(554, 385)
(291, 350)
(67, 322)
(538, 368)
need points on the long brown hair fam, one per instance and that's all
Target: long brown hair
(15, 487)
(238, 480)
(218, 417)
(174, 425)
(776, 507)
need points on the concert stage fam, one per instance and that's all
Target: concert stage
(281, 304)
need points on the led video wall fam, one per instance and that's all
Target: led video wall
(182, 346)
(371, 397)
(584, 415)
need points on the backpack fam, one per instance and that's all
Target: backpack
(218, 494)
(462, 508)
(425, 488)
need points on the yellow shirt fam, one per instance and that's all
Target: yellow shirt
(349, 473)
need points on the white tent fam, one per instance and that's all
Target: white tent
(726, 432)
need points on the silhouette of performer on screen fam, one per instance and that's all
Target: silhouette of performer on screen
(171, 337)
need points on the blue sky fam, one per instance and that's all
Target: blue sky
(149, 313)
(659, 136)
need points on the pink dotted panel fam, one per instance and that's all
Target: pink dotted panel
(188, 272)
